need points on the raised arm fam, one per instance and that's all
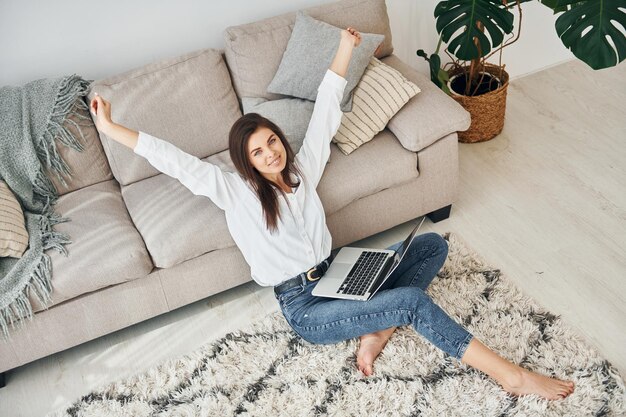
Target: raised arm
(200, 177)
(350, 39)
(326, 117)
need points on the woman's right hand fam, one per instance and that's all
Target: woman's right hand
(101, 108)
(351, 35)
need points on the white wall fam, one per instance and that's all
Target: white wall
(96, 39)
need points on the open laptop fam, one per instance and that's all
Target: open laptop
(358, 273)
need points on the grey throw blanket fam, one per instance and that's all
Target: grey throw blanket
(31, 118)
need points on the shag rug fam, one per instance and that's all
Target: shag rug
(267, 370)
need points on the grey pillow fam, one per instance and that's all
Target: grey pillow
(292, 115)
(310, 51)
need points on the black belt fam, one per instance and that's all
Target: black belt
(312, 274)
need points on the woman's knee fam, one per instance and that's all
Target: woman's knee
(434, 241)
(442, 248)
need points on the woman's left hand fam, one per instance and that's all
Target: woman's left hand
(352, 35)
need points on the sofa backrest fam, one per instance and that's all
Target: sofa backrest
(254, 50)
(89, 166)
(187, 100)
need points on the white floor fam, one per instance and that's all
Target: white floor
(545, 201)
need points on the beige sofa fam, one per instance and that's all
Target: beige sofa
(144, 245)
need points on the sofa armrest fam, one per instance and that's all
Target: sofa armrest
(430, 115)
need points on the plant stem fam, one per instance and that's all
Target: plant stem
(519, 30)
(475, 63)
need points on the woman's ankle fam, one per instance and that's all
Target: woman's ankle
(479, 356)
(511, 378)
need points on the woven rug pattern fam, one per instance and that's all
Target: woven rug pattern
(267, 370)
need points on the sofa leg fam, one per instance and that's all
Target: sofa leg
(439, 215)
(3, 380)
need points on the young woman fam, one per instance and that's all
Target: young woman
(277, 220)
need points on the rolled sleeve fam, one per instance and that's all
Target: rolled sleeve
(141, 148)
(334, 79)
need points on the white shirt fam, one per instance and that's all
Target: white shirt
(302, 239)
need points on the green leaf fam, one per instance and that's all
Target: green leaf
(593, 48)
(455, 15)
(435, 64)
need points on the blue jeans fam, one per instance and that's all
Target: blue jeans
(323, 320)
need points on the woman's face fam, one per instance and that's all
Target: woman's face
(266, 152)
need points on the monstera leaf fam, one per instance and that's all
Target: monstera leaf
(453, 15)
(593, 48)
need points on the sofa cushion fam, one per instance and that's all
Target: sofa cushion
(89, 166)
(310, 51)
(428, 116)
(188, 99)
(254, 50)
(105, 247)
(380, 94)
(175, 224)
(379, 164)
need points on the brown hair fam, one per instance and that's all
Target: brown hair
(238, 138)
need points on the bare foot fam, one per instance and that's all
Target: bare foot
(513, 378)
(370, 346)
(522, 381)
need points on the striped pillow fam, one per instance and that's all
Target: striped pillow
(13, 233)
(379, 95)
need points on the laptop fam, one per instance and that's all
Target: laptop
(358, 273)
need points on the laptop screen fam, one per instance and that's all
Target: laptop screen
(400, 251)
(400, 254)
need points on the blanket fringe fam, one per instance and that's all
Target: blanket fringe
(40, 279)
(66, 104)
(43, 189)
(50, 238)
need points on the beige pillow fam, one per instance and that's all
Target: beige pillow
(379, 95)
(13, 233)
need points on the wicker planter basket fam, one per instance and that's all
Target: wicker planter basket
(486, 110)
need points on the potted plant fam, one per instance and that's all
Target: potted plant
(480, 87)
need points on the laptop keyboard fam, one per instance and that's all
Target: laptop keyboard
(362, 273)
